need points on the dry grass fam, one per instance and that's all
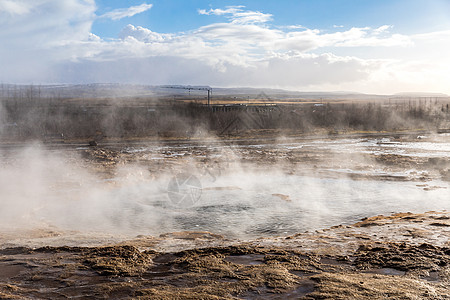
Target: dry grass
(62, 119)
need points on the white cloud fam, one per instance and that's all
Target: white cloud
(31, 44)
(94, 38)
(238, 15)
(219, 12)
(121, 13)
(292, 27)
(51, 41)
(442, 37)
(382, 29)
(142, 34)
(47, 22)
(262, 38)
(14, 7)
(302, 70)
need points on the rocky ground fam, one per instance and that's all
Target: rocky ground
(403, 256)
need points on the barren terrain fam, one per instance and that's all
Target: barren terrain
(312, 217)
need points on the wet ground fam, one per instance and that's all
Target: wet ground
(261, 221)
(405, 256)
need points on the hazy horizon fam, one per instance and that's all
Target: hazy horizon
(108, 87)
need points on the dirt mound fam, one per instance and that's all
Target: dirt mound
(374, 271)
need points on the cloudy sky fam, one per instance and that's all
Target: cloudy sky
(371, 46)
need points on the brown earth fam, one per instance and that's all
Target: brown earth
(377, 258)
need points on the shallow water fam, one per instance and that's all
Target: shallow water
(421, 146)
(249, 205)
(241, 204)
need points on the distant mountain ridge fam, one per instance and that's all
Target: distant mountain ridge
(420, 94)
(106, 90)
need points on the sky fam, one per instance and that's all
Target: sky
(367, 46)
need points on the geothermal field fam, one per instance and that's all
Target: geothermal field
(250, 197)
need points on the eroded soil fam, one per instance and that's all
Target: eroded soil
(338, 263)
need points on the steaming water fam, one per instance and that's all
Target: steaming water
(240, 204)
(250, 209)
(254, 211)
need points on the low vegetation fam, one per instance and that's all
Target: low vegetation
(31, 117)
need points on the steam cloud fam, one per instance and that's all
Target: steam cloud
(44, 188)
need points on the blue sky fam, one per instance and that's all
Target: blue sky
(407, 16)
(372, 46)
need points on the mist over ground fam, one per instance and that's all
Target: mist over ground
(123, 111)
(267, 163)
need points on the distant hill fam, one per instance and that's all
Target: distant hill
(420, 94)
(116, 90)
(280, 94)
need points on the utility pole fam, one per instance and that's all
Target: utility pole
(189, 88)
(209, 96)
